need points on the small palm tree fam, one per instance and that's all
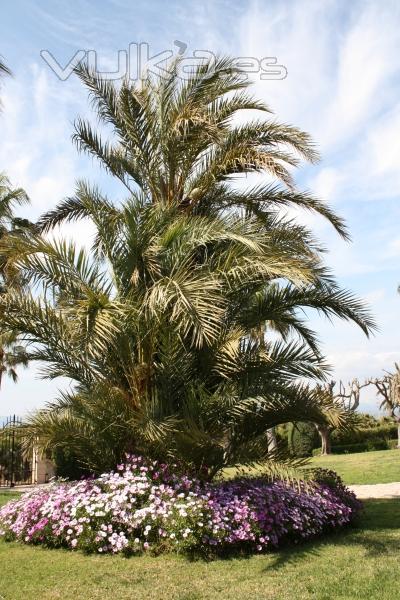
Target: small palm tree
(10, 199)
(12, 356)
(159, 324)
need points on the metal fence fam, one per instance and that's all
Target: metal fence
(15, 468)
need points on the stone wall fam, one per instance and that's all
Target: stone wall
(43, 469)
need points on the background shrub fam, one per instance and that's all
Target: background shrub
(369, 435)
(363, 447)
(67, 464)
(302, 438)
(380, 435)
(392, 444)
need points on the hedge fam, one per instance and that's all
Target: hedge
(363, 447)
(364, 435)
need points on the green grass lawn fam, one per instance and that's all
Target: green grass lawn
(354, 564)
(366, 467)
(382, 466)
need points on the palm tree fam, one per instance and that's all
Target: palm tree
(159, 324)
(10, 199)
(182, 141)
(4, 70)
(12, 354)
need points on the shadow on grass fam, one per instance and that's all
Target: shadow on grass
(381, 515)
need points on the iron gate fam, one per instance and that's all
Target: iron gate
(15, 468)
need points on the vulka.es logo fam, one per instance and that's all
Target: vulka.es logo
(137, 63)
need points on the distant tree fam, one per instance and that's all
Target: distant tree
(367, 421)
(348, 398)
(388, 389)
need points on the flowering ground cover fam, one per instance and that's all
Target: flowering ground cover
(146, 507)
(358, 562)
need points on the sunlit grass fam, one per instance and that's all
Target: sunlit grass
(354, 564)
(362, 468)
(382, 466)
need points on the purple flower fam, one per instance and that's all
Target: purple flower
(144, 504)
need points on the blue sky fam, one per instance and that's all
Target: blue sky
(342, 86)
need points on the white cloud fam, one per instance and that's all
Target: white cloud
(375, 296)
(326, 183)
(366, 62)
(393, 248)
(341, 61)
(368, 363)
(36, 150)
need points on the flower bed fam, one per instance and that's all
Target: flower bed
(143, 506)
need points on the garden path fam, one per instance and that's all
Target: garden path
(377, 490)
